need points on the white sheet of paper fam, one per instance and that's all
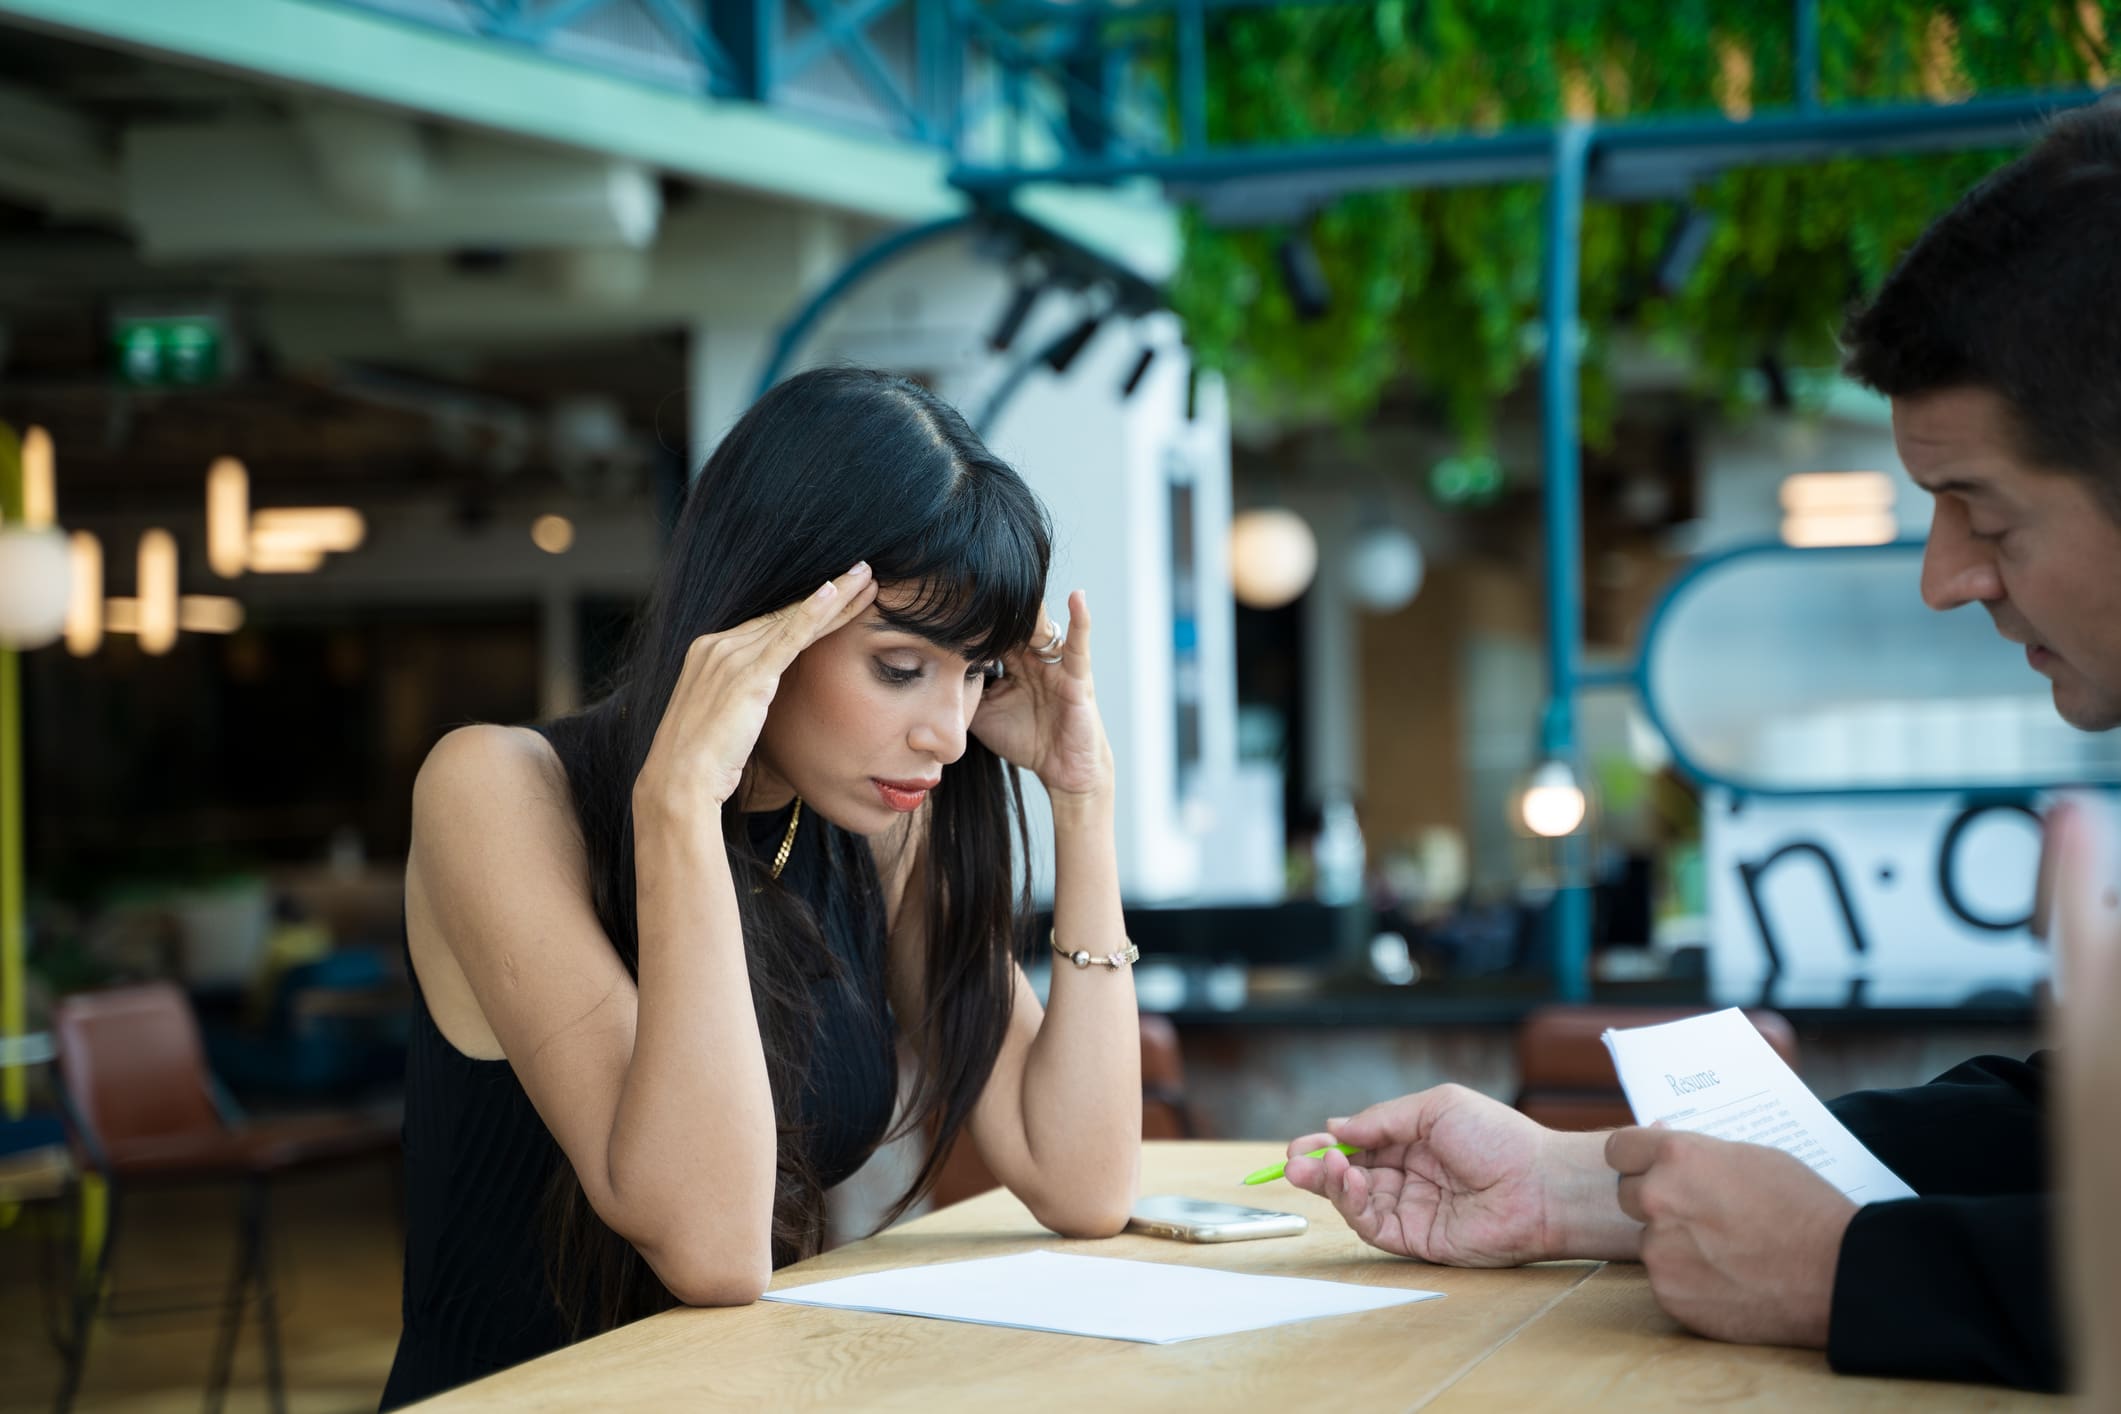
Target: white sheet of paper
(1116, 1299)
(1716, 1075)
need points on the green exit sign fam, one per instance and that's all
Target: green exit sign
(175, 351)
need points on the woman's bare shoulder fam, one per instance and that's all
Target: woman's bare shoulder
(487, 760)
(497, 865)
(494, 800)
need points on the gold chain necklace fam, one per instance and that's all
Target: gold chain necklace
(780, 860)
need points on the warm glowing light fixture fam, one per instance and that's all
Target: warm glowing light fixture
(273, 558)
(1273, 556)
(227, 517)
(1553, 803)
(35, 575)
(1838, 508)
(84, 609)
(332, 529)
(552, 534)
(40, 493)
(158, 591)
(35, 586)
(196, 613)
(209, 613)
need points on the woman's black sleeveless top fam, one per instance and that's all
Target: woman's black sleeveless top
(477, 1157)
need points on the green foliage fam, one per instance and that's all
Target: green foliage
(1440, 288)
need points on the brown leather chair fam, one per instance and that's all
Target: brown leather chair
(143, 1109)
(1565, 1074)
(1165, 1114)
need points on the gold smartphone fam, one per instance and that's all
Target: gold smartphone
(1198, 1220)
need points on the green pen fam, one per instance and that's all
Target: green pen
(1274, 1171)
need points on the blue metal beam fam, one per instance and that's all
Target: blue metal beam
(939, 60)
(1036, 12)
(852, 42)
(832, 33)
(1804, 47)
(750, 32)
(1192, 76)
(1636, 158)
(517, 20)
(687, 23)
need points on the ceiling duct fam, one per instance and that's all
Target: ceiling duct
(371, 162)
(344, 182)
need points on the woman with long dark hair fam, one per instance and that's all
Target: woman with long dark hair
(666, 949)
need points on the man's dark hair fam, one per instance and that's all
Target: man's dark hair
(2017, 289)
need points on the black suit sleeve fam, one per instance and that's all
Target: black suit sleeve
(1979, 1128)
(1958, 1283)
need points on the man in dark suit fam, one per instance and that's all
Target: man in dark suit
(1998, 340)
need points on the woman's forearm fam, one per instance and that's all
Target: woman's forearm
(693, 1140)
(1082, 1077)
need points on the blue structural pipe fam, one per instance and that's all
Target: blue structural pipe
(1569, 916)
(1634, 155)
(880, 252)
(1192, 76)
(1804, 27)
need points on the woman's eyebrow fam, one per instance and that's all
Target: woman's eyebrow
(914, 631)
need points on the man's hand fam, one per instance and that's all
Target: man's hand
(1451, 1176)
(1741, 1240)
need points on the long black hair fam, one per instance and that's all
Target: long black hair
(830, 467)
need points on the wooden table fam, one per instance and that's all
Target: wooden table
(1559, 1336)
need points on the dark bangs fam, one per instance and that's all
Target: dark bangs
(980, 563)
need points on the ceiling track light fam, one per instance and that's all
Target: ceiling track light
(1022, 300)
(1310, 295)
(1140, 370)
(1684, 245)
(1776, 378)
(1065, 350)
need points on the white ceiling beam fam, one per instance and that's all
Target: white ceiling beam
(246, 188)
(53, 157)
(730, 260)
(61, 190)
(33, 125)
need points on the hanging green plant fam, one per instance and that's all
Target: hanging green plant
(1439, 289)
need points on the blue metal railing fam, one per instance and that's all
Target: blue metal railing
(763, 51)
(927, 71)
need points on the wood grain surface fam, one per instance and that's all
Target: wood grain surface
(1564, 1335)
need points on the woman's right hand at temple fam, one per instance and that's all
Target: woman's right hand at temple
(712, 721)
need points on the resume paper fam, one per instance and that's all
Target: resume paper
(1153, 1302)
(1716, 1075)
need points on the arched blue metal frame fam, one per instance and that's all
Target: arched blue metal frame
(876, 254)
(1012, 382)
(1069, 263)
(1635, 678)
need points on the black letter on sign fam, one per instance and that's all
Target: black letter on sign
(1751, 874)
(1947, 861)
